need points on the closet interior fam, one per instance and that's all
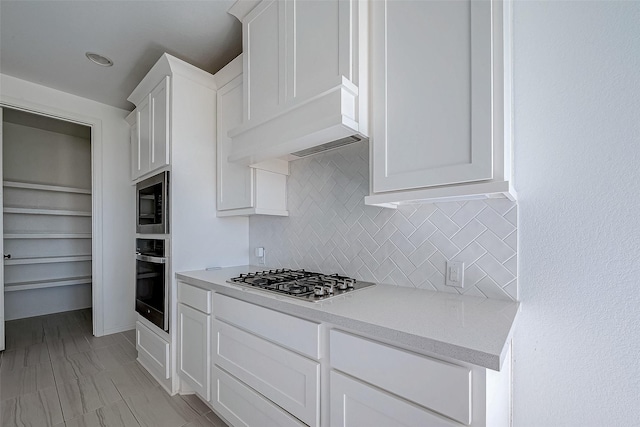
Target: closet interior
(46, 215)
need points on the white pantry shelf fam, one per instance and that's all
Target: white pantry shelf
(35, 211)
(43, 187)
(47, 260)
(50, 283)
(47, 236)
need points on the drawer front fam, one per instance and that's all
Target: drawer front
(195, 297)
(288, 379)
(154, 349)
(242, 406)
(442, 387)
(355, 404)
(298, 334)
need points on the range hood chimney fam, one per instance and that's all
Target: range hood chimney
(321, 123)
(305, 79)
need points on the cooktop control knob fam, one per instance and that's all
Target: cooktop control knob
(318, 290)
(330, 287)
(350, 283)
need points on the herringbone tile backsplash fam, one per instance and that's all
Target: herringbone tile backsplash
(331, 230)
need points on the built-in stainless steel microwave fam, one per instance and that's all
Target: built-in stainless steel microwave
(152, 205)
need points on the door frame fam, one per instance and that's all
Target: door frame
(95, 124)
(3, 338)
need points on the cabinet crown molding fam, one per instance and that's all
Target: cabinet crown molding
(241, 8)
(169, 65)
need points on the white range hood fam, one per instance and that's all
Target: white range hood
(304, 88)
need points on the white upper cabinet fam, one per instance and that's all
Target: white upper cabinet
(235, 188)
(439, 80)
(243, 190)
(303, 83)
(160, 125)
(150, 143)
(264, 70)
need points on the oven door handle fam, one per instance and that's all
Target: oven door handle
(153, 259)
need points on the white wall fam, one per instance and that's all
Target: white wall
(117, 216)
(577, 136)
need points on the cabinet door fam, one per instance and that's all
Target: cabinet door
(235, 182)
(432, 93)
(264, 44)
(356, 404)
(143, 150)
(322, 46)
(194, 349)
(160, 126)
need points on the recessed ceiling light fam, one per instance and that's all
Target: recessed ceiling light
(99, 59)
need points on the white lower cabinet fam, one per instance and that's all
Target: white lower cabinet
(377, 384)
(153, 351)
(261, 367)
(357, 404)
(194, 337)
(442, 387)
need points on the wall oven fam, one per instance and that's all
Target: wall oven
(152, 281)
(152, 205)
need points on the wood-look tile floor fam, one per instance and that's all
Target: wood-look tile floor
(54, 372)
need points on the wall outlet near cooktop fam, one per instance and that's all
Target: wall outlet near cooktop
(455, 274)
(260, 253)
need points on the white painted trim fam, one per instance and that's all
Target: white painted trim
(2, 314)
(229, 72)
(97, 287)
(241, 8)
(169, 65)
(450, 193)
(251, 211)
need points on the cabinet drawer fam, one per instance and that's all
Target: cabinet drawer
(354, 403)
(195, 297)
(153, 349)
(293, 332)
(242, 406)
(290, 380)
(442, 387)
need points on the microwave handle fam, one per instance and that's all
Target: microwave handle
(154, 259)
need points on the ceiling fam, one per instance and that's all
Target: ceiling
(45, 41)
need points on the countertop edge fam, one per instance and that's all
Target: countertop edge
(409, 341)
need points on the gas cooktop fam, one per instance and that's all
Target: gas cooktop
(300, 284)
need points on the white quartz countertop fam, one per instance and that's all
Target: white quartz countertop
(469, 329)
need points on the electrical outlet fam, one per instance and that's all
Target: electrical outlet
(455, 274)
(260, 253)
